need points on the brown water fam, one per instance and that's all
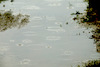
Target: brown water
(47, 41)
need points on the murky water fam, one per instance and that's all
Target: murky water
(51, 39)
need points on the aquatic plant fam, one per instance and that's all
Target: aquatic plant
(92, 11)
(6, 0)
(86, 0)
(12, 1)
(2, 0)
(90, 19)
(90, 63)
(8, 20)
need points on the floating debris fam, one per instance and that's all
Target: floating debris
(48, 47)
(60, 25)
(79, 34)
(19, 44)
(3, 5)
(66, 23)
(83, 31)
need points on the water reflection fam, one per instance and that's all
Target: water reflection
(8, 20)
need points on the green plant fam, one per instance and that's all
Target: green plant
(91, 63)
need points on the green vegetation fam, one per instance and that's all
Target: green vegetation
(2, 0)
(92, 11)
(12, 1)
(5, 0)
(8, 20)
(91, 18)
(91, 63)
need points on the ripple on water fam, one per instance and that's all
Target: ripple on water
(48, 46)
(25, 61)
(33, 7)
(36, 18)
(12, 40)
(53, 38)
(29, 33)
(54, 4)
(4, 48)
(36, 26)
(70, 7)
(67, 52)
(50, 18)
(58, 23)
(81, 5)
(53, 0)
(27, 41)
(56, 29)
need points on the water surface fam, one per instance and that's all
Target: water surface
(51, 39)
